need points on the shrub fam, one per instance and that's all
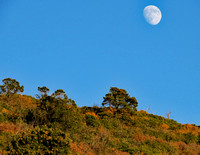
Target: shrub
(40, 141)
(158, 148)
(190, 138)
(91, 120)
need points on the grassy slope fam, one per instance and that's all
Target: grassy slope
(95, 130)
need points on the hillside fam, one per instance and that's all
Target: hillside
(54, 124)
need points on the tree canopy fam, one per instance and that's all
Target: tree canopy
(119, 98)
(10, 86)
(43, 91)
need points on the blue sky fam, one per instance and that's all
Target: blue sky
(85, 47)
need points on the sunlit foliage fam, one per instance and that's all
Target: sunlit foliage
(40, 141)
(54, 124)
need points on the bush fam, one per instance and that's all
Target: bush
(40, 141)
(91, 121)
(157, 148)
(190, 138)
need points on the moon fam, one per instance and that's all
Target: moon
(152, 14)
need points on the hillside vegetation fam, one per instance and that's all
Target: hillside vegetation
(54, 124)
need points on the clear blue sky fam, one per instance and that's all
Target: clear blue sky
(85, 47)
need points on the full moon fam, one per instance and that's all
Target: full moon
(152, 14)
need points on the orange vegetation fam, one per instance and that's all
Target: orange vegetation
(92, 114)
(188, 128)
(186, 149)
(146, 118)
(143, 112)
(164, 126)
(80, 148)
(4, 111)
(10, 128)
(26, 102)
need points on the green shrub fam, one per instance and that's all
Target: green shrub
(199, 138)
(111, 123)
(2, 117)
(40, 141)
(91, 121)
(127, 119)
(156, 148)
(190, 138)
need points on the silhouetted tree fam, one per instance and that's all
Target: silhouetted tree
(59, 94)
(119, 98)
(10, 87)
(43, 91)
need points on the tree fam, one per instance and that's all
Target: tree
(119, 98)
(43, 91)
(10, 87)
(52, 108)
(59, 94)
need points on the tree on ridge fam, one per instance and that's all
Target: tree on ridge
(119, 98)
(10, 87)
